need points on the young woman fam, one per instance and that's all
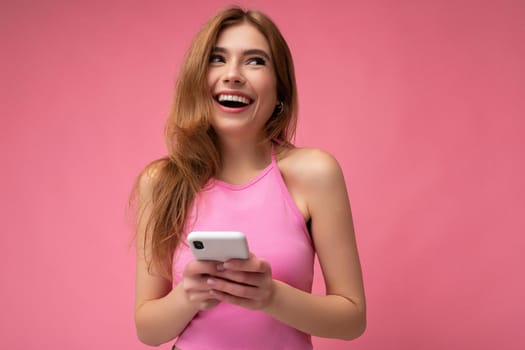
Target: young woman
(231, 166)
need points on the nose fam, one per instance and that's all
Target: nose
(233, 75)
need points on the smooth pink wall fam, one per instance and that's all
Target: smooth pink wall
(421, 101)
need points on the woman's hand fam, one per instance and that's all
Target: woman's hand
(246, 283)
(195, 283)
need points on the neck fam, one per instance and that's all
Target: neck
(242, 160)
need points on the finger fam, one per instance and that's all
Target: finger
(252, 264)
(253, 279)
(198, 267)
(209, 304)
(235, 300)
(195, 284)
(199, 296)
(232, 288)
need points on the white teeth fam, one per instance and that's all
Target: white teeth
(234, 98)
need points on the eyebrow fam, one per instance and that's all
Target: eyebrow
(248, 52)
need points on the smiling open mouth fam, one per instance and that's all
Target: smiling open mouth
(233, 101)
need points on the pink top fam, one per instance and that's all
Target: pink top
(264, 210)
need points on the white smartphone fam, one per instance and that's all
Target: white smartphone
(218, 245)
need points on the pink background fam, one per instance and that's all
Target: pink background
(421, 101)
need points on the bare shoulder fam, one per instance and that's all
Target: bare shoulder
(147, 182)
(150, 176)
(310, 166)
(311, 175)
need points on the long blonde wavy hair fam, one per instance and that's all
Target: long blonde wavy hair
(193, 157)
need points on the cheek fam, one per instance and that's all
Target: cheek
(213, 76)
(269, 96)
(210, 80)
(269, 86)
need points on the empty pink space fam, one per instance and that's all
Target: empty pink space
(420, 101)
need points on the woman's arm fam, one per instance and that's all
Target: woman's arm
(162, 313)
(341, 313)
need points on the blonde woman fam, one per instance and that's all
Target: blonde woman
(231, 166)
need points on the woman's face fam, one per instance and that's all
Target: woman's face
(242, 81)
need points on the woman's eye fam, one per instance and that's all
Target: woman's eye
(257, 61)
(216, 59)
